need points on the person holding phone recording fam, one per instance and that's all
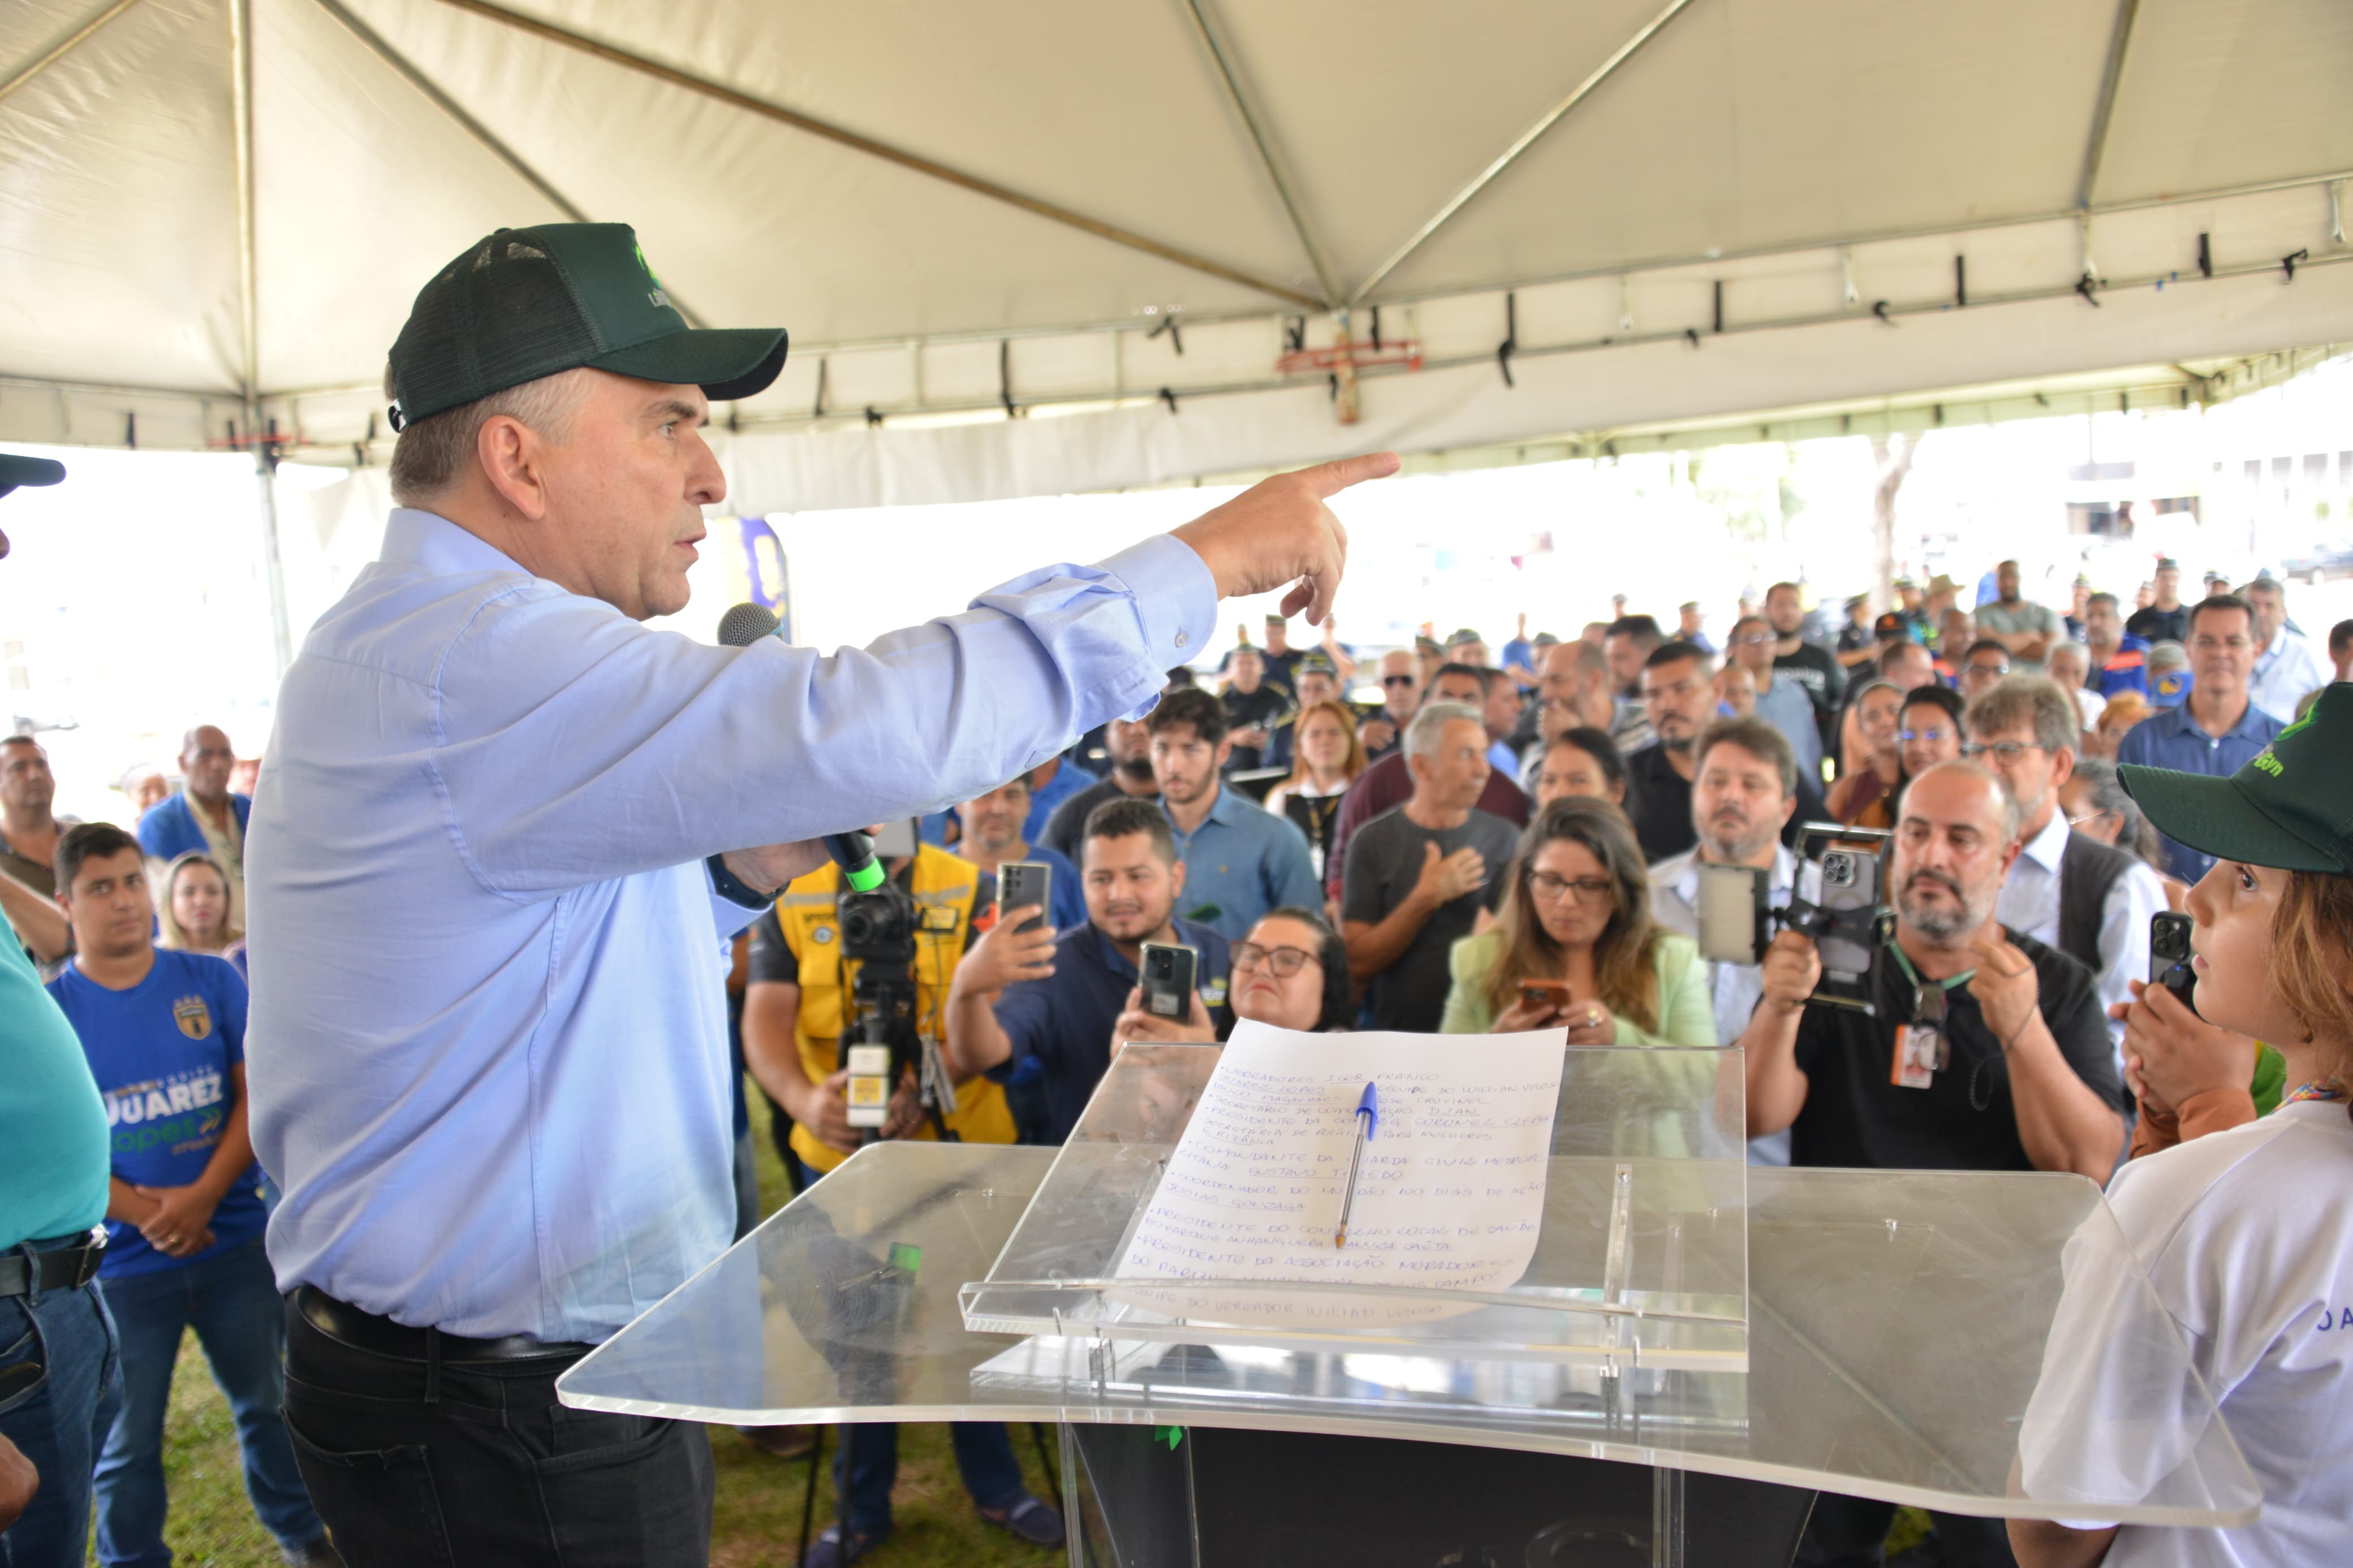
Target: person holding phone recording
(2241, 1232)
(1574, 945)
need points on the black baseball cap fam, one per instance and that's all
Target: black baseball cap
(15, 468)
(2289, 807)
(523, 303)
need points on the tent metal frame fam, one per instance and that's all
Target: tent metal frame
(737, 99)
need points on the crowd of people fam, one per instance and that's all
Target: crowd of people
(1442, 839)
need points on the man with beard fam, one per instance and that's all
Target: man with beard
(1130, 744)
(1810, 665)
(1742, 793)
(1782, 700)
(1679, 688)
(1023, 994)
(1631, 640)
(2017, 1070)
(992, 836)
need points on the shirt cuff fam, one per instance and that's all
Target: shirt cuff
(1176, 597)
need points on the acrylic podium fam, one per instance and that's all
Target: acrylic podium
(1695, 1348)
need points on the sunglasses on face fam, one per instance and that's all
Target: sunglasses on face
(1398, 679)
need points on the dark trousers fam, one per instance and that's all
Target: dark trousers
(478, 1466)
(232, 1302)
(1852, 1532)
(60, 1425)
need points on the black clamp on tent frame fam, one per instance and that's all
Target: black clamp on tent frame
(1176, 333)
(1168, 396)
(2086, 286)
(1511, 343)
(873, 417)
(2205, 255)
(2292, 257)
(1879, 309)
(1005, 377)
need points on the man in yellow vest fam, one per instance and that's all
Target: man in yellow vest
(800, 1005)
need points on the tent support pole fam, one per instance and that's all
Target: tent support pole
(264, 454)
(1510, 155)
(1240, 101)
(2111, 76)
(762, 107)
(64, 47)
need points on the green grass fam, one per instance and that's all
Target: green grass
(756, 1520)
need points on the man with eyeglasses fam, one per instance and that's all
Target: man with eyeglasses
(1678, 686)
(1743, 794)
(1986, 662)
(2066, 889)
(1781, 702)
(2217, 729)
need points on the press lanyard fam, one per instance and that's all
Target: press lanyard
(1927, 998)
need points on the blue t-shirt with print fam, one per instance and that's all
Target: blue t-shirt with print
(161, 1052)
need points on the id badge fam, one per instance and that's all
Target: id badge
(1916, 1048)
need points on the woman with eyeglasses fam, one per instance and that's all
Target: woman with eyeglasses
(1575, 944)
(1291, 972)
(2243, 1234)
(1864, 795)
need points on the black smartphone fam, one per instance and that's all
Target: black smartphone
(1169, 980)
(1020, 883)
(2169, 956)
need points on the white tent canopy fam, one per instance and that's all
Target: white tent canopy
(1678, 214)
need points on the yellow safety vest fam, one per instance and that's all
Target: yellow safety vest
(944, 888)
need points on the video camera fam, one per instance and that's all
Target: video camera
(1840, 900)
(881, 1037)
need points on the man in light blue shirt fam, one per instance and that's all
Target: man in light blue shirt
(1240, 859)
(1780, 700)
(502, 834)
(2217, 729)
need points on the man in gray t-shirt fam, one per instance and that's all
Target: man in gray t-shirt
(2027, 629)
(1418, 873)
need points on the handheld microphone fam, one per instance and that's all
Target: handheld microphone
(741, 627)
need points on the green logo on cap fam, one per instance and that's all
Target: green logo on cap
(2266, 760)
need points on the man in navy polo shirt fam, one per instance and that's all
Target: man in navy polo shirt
(164, 1035)
(1021, 996)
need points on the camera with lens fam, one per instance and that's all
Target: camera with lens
(1840, 900)
(881, 1039)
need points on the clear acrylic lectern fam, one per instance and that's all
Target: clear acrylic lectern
(1694, 1350)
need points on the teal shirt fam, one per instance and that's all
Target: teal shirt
(52, 1124)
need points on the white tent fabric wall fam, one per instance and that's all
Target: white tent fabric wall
(1039, 194)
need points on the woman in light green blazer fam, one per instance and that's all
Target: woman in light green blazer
(1575, 926)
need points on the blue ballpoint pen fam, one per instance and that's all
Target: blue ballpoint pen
(1368, 1116)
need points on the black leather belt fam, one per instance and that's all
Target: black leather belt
(67, 1267)
(346, 1324)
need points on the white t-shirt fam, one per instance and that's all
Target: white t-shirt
(2248, 1239)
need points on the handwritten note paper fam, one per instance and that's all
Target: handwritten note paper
(1450, 1196)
